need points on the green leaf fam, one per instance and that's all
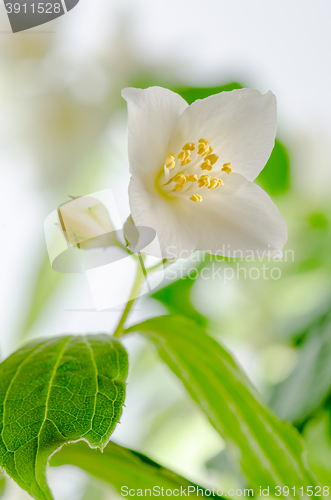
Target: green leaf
(275, 177)
(268, 451)
(53, 392)
(317, 436)
(309, 385)
(120, 466)
(2, 484)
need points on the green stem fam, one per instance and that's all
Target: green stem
(154, 268)
(134, 292)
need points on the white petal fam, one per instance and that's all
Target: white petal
(155, 211)
(240, 124)
(152, 115)
(239, 219)
(236, 219)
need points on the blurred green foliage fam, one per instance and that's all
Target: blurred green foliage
(176, 298)
(275, 177)
(309, 385)
(46, 284)
(318, 221)
(221, 463)
(191, 94)
(93, 490)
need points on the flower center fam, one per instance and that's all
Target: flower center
(189, 182)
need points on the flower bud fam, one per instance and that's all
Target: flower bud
(86, 223)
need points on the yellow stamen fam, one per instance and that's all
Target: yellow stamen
(192, 178)
(180, 179)
(207, 161)
(202, 149)
(212, 158)
(196, 198)
(204, 181)
(215, 183)
(185, 157)
(206, 165)
(189, 146)
(170, 161)
(227, 168)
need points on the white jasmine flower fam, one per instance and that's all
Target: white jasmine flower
(192, 171)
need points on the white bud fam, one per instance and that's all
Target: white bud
(85, 222)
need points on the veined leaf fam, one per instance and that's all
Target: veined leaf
(53, 392)
(268, 451)
(121, 466)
